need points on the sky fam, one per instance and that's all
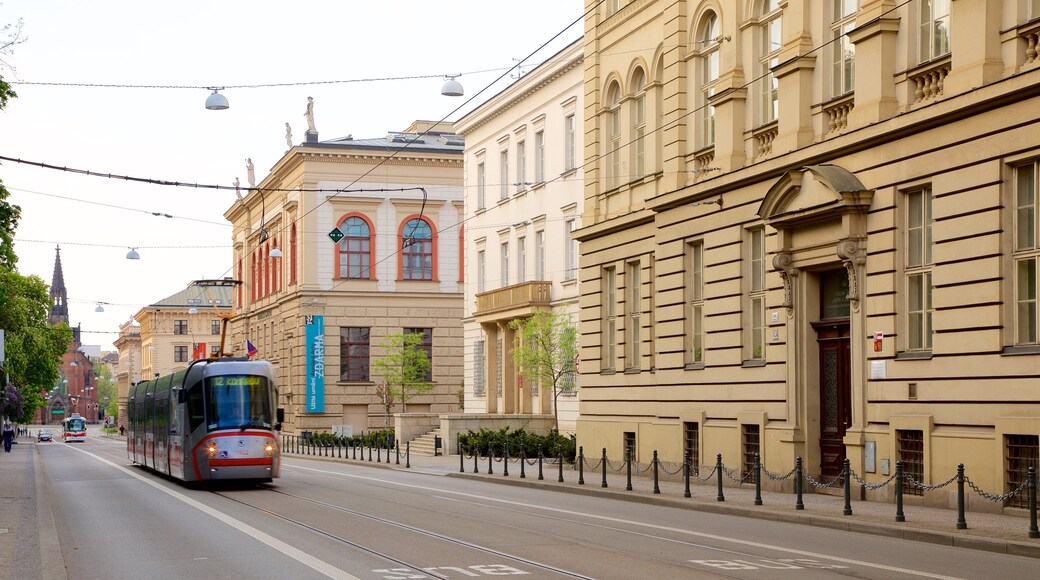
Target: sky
(167, 134)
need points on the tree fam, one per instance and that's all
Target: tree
(404, 367)
(108, 391)
(545, 350)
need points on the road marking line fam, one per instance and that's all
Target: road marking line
(294, 553)
(641, 524)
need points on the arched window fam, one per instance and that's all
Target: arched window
(355, 249)
(276, 269)
(292, 254)
(613, 136)
(254, 276)
(417, 250)
(240, 284)
(462, 255)
(659, 115)
(710, 35)
(769, 43)
(638, 124)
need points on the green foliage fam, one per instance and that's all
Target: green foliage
(404, 367)
(107, 388)
(550, 445)
(546, 350)
(382, 437)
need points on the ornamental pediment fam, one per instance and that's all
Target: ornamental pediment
(813, 193)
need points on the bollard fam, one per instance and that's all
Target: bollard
(628, 468)
(505, 461)
(397, 453)
(848, 487)
(560, 450)
(758, 480)
(718, 471)
(370, 451)
(1034, 532)
(491, 458)
(899, 492)
(798, 505)
(353, 447)
(657, 487)
(523, 461)
(462, 456)
(540, 463)
(389, 444)
(686, 473)
(408, 455)
(603, 465)
(379, 451)
(962, 524)
(475, 454)
(581, 465)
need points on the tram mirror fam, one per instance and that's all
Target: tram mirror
(280, 414)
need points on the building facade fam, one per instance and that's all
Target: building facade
(824, 242)
(524, 199)
(182, 327)
(369, 236)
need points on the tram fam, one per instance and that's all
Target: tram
(214, 420)
(74, 429)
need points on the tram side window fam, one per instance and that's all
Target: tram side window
(196, 408)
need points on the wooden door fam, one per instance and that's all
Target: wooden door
(835, 393)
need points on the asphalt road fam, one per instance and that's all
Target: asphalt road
(324, 519)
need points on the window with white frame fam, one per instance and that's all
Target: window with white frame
(695, 303)
(710, 37)
(478, 368)
(568, 144)
(539, 255)
(503, 174)
(481, 265)
(539, 157)
(481, 187)
(843, 52)
(633, 305)
(613, 136)
(638, 124)
(504, 259)
(521, 165)
(609, 317)
(571, 247)
(919, 269)
(933, 29)
(613, 6)
(770, 42)
(1027, 252)
(757, 293)
(521, 259)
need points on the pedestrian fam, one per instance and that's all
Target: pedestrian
(121, 429)
(8, 437)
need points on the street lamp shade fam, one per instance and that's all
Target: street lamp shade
(451, 87)
(99, 308)
(275, 252)
(133, 255)
(216, 101)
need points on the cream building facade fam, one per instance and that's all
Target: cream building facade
(810, 230)
(320, 310)
(524, 199)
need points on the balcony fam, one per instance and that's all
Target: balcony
(512, 301)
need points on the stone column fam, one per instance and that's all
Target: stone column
(975, 37)
(876, 46)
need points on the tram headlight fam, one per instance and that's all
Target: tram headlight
(212, 449)
(269, 449)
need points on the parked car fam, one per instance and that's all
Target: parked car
(44, 435)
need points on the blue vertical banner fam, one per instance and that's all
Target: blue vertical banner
(315, 336)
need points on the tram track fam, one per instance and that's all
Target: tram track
(399, 525)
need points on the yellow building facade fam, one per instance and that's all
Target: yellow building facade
(810, 230)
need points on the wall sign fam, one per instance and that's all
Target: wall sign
(315, 337)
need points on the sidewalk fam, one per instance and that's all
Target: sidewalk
(990, 532)
(29, 546)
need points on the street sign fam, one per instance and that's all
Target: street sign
(57, 411)
(336, 235)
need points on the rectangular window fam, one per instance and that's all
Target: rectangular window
(633, 303)
(503, 175)
(539, 157)
(478, 368)
(571, 247)
(521, 165)
(692, 443)
(911, 453)
(481, 264)
(752, 448)
(1020, 453)
(695, 303)
(539, 255)
(504, 262)
(180, 327)
(427, 347)
(918, 269)
(1026, 253)
(521, 259)
(353, 353)
(757, 294)
(568, 128)
(639, 135)
(180, 354)
(214, 351)
(769, 56)
(630, 445)
(481, 187)
(934, 33)
(843, 52)
(609, 318)
(214, 326)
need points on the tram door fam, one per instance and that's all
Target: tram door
(835, 379)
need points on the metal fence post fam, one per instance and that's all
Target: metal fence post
(540, 456)
(657, 487)
(962, 524)
(476, 452)
(686, 473)
(581, 465)
(798, 505)
(462, 456)
(848, 487)
(718, 471)
(505, 462)
(397, 453)
(1034, 532)
(379, 452)
(523, 460)
(899, 492)
(408, 455)
(491, 459)
(758, 480)
(603, 461)
(628, 467)
(560, 451)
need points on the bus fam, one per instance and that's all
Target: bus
(74, 429)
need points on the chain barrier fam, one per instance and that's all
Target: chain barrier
(697, 475)
(996, 498)
(617, 469)
(871, 486)
(591, 466)
(776, 477)
(636, 469)
(677, 471)
(924, 487)
(820, 485)
(531, 462)
(729, 474)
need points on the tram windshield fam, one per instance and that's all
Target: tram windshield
(75, 424)
(238, 402)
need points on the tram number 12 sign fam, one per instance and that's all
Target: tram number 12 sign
(315, 364)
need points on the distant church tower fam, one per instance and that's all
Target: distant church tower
(60, 310)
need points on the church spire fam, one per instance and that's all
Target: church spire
(59, 297)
